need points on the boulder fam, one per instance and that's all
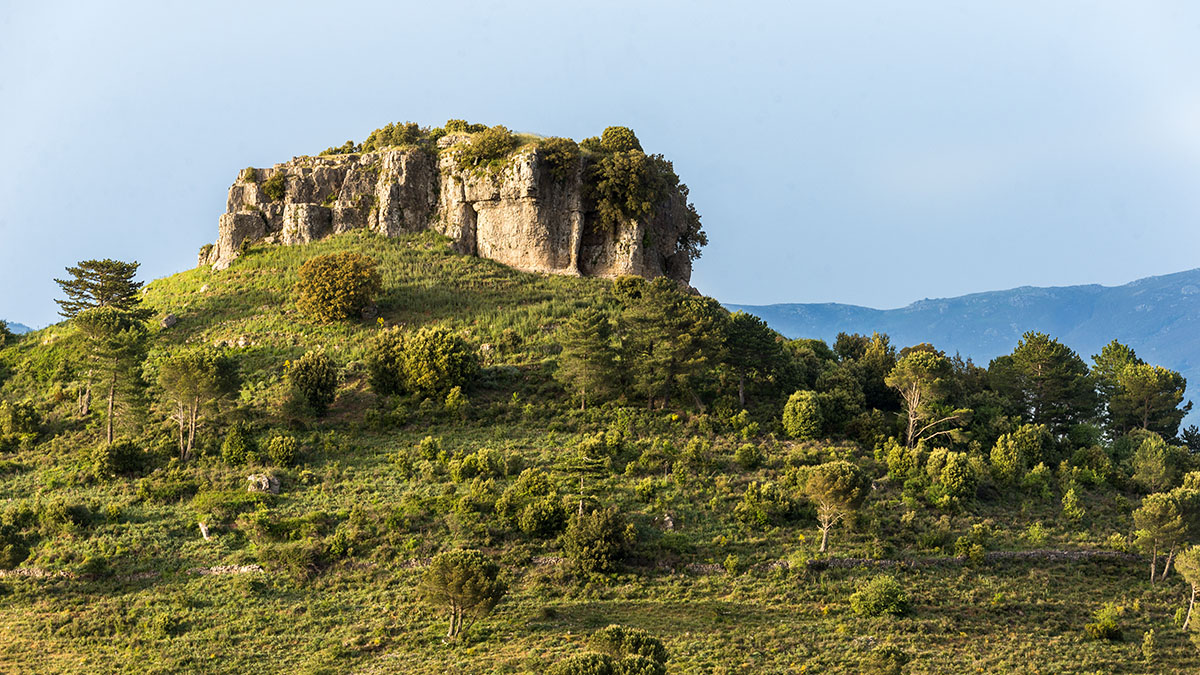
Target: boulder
(168, 321)
(262, 482)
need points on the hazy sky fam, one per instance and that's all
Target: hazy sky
(865, 152)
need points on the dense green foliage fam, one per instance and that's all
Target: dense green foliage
(314, 378)
(338, 286)
(464, 584)
(700, 515)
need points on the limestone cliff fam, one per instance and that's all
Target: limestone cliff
(520, 213)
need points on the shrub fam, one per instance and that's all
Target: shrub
(491, 144)
(463, 127)
(1014, 453)
(1104, 625)
(14, 547)
(532, 485)
(1071, 508)
(620, 641)
(902, 461)
(275, 187)
(337, 286)
(315, 378)
(238, 448)
(887, 660)
(122, 458)
(544, 517)
(430, 361)
(483, 463)
(19, 424)
(763, 505)
(619, 139)
(597, 541)
(881, 595)
(457, 402)
(748, 456)
(560, 156)
(802, 416)
(281, 449)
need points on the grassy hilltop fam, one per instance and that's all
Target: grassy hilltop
(723, 566)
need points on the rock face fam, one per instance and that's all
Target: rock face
(519, 214)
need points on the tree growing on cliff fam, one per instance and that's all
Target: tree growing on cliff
(337, 286)
(192, 380)
(102, 283)
(116, 347)
(587, 363)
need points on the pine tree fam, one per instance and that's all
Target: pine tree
(116, 342)
(102, 283)
(193, 379)
(753, 350)
(588, 360)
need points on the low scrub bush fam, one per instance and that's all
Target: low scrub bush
(879, 596)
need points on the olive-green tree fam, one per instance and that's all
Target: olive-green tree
(920, 378)
(464, 584)
(752, 350)
(1148, 397)
(1161, 526)
(1188, 565)
(1046, 381)
(192, 380)
(588, 362)
(116, 347)
(837, 489)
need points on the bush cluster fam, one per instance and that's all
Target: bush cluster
(428, 361)
(337, 286)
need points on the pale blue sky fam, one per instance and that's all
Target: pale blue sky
(866, 152)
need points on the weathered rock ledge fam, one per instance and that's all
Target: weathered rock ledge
(520, 215)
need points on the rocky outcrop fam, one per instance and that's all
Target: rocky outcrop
(521, 214)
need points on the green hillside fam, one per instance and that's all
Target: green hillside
(110, 571)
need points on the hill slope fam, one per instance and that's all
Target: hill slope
(1158, 316)
(323, 576)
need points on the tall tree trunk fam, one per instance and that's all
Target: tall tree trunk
(1191, 603)
(582, 399)
(1153, 562)
(742, 390)
(824, 537)
(112, 395)
(180, 415)
(1167, 564)
(193, 413)
(85, 397)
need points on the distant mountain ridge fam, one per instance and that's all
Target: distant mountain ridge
(1159, 317)
(18, 328)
